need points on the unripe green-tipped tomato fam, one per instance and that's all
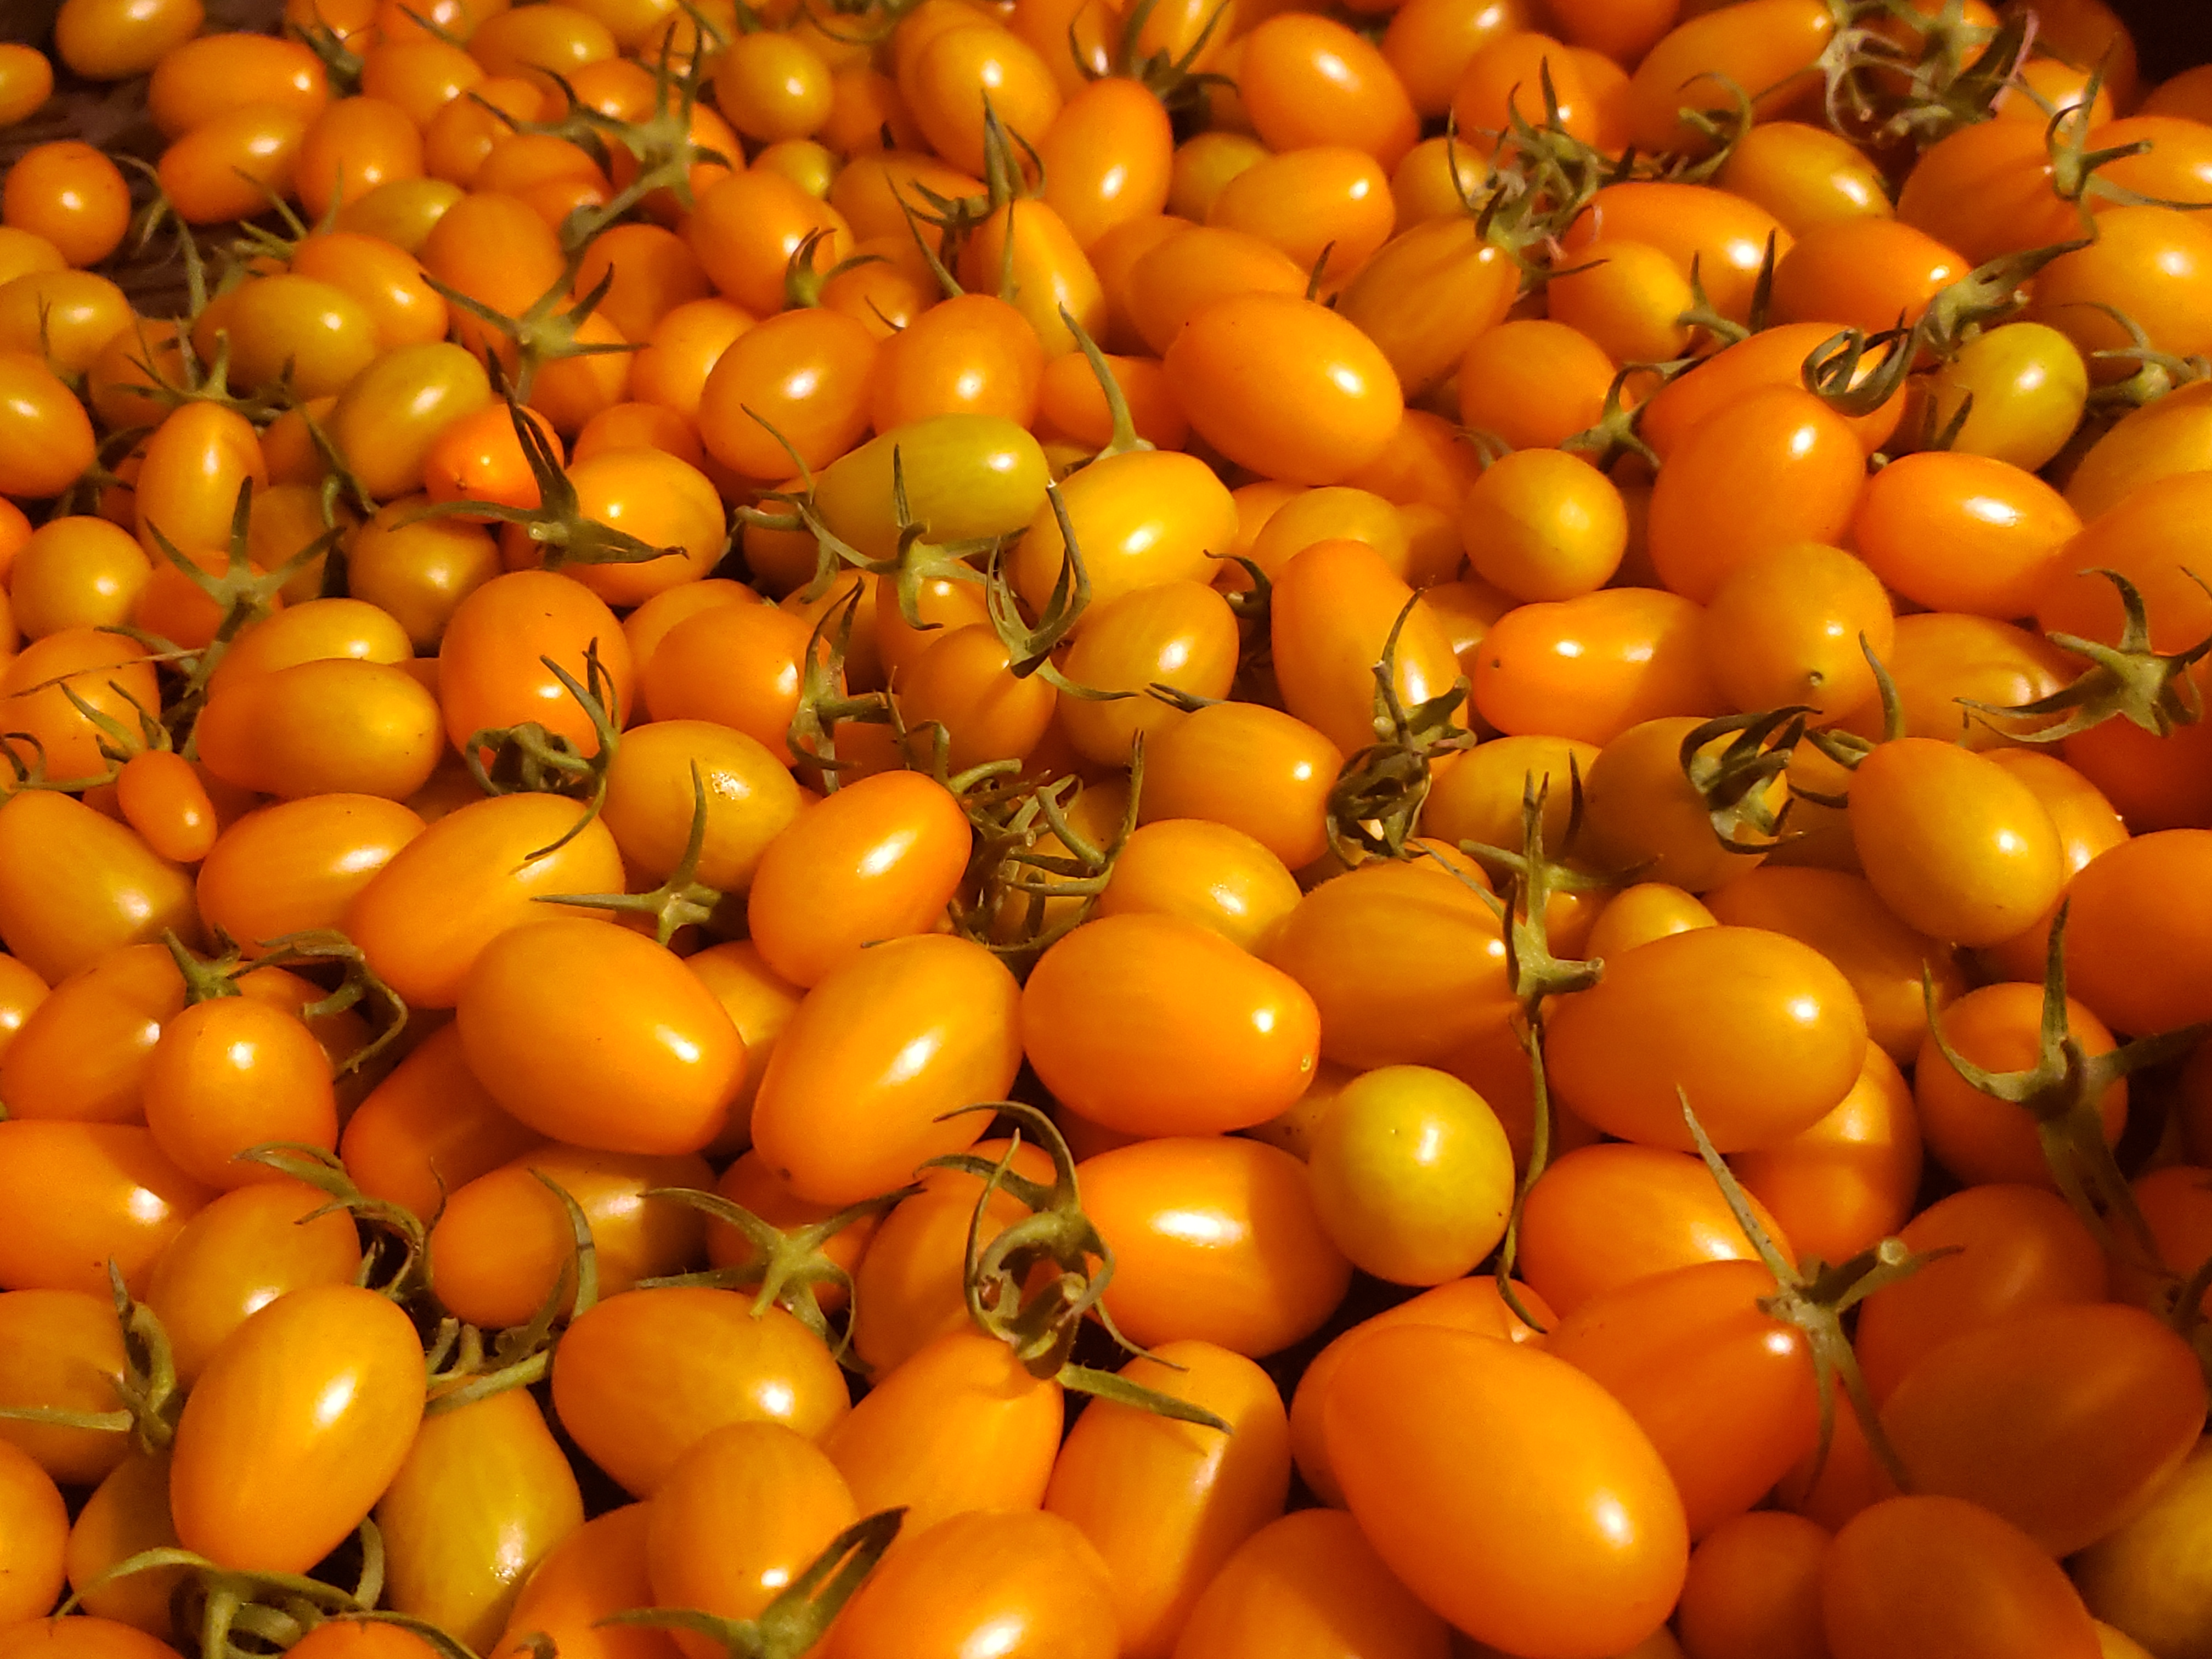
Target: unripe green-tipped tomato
(593, 1035)
(299, 1422)
(854, 1097)
(1954, 843)
(390, 414)
(1509, 1491)
(486, 1491)
(1762, 1033)
(966, 476)
(1152, 1025)
(1412, 1174)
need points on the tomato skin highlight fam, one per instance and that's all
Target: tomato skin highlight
(588, 1080)
(1579, 1551)
(319, 1468)
(1166, 1503)
(878, 1051)
(1154, 1025)
(486, 1493)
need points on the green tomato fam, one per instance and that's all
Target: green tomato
(1412, 1174)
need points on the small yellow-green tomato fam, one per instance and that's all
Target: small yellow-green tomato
(2028, 383)
(1412, 1174)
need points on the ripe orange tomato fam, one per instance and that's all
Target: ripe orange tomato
(615, 1078)
(1296, 1586)
(742, 1513)
(1577, 1548)
(1285, 387)
(1025, 1582)
(881, 1048)
(877, 859)
(1914, 1578)
(1216, 1239)
(1166, 1503)
(326, 1384)
(1761, 1033)
(240, 1254)
(642, 1377)
(1156, 1026)
(423, 918)
(1661, 1210)
(957, 1427)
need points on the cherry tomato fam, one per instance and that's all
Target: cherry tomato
(1411, 1173)
(1296, 1586)
(474, 873)
(891, 1039)
(575, 1079)
(1265, 1274)
(742, 1514)
(643, 1376)
(1026, 1582)
(327, 1380)
(231, 1074)
(75, 885)
(47, 436)
(240, 1254)
(2118, 1575)
(1282, 385)
(37, 1524)
(1405, 963)
(1662, 1210)
(1918, 1576)
(61, 1350)
(1581, 1548)
(1587, 669)
(876, 860)
(960, 1426)
(490, 671)
(484, 1493)
(1956, 846)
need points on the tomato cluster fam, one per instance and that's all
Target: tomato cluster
(1196, 832)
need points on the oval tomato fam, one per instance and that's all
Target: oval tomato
(326, 1385)
(1572, 1542)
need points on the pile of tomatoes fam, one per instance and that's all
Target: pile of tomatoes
(915, 828)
